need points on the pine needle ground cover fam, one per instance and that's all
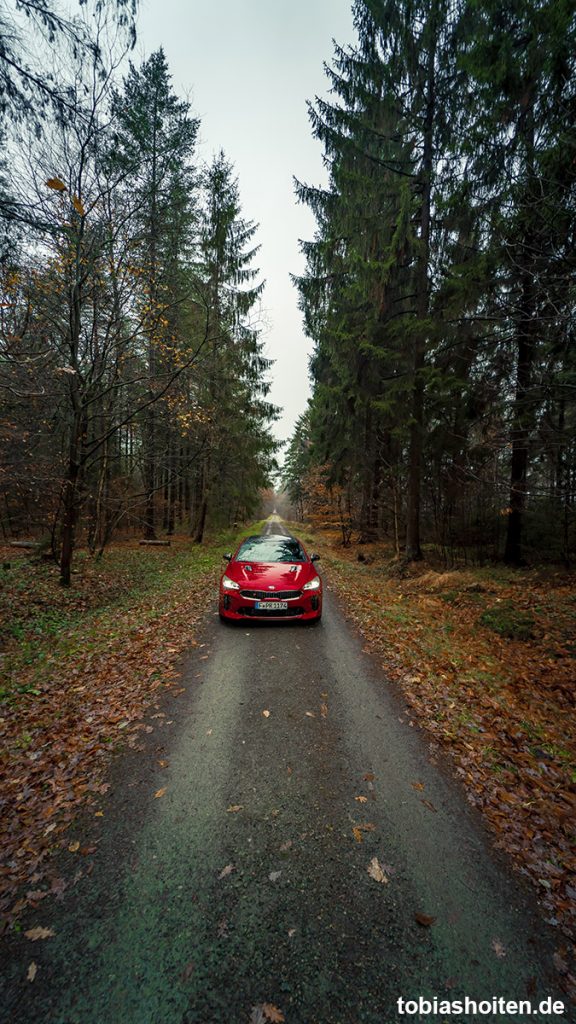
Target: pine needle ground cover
(486, 658)
(80, 669)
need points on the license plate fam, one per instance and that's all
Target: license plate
(272, 606)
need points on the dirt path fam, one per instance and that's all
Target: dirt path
(245, 884)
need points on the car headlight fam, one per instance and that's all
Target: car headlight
(229, 584)
(313, 584)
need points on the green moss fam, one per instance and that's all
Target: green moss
(508, 621)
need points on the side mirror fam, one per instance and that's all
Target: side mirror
(227, 556)
(314, 558)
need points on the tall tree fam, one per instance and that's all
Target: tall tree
(153, 145)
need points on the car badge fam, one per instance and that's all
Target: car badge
(271, 588)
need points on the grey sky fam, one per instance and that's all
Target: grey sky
(248, 67)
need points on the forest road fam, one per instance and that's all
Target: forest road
(243, 887)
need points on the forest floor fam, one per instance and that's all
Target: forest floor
(79, 669)
(486, 658)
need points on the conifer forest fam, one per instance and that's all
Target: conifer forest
(438, 291)
(439, 284)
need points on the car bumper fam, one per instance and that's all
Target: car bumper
(235, 606)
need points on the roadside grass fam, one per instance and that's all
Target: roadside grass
(486, 659)
(79, 669)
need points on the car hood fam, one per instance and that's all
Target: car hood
(279, 576)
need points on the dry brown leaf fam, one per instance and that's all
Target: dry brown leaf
(77, 204)
(357, 832)
(498, 948)
(324, 710)
(311, 714)
(266, 714)
(187, 972)
(234, 808)
(424, 919)
(57, 184)
(74, 847)
(369, 777)
(272, 1013)
(418, 785)
(375, 871)
(226, 871)
(32, 971)
(163, 764)
(361, 799)
(160, 792)
(38, 933)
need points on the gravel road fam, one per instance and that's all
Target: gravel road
(292, 763)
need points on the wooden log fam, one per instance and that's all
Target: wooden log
(156, 543)
(29, 544)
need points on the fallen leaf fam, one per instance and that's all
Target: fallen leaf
(274, 876)
(429, 805)
(99, 814)
(424, 919)
(38, 933)
(324, 710)
(375, 871)
(286, 846)
(57, 184)
(311, 714)
(160, 792)
(366, 826)
(498, 948)
(291, 933)
(74, 847)
(272, 1013)
(234, 808)
(369, 777)
(361, 799)
(418, 785)
(266, 714)
(32, 971)
(187, 972)
(163, 764)
(226, 871)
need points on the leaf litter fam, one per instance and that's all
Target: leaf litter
(501, 708)
(84, 692)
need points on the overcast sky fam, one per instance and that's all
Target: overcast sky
(248, 67)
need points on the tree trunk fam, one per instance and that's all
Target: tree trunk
(413, 549)
(522, 422)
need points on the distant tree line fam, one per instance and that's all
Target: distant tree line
(132, 378)
(439, 288)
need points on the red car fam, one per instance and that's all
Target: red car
(271, 577)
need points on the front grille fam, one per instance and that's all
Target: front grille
(262, 613)
(273, 595)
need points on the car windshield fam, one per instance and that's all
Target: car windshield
(271, 549)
